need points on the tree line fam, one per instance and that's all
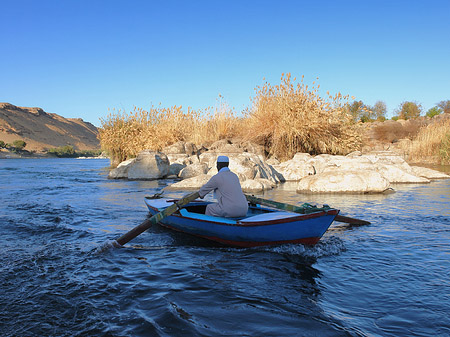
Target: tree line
(406, 110)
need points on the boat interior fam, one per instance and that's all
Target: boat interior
(200, 208)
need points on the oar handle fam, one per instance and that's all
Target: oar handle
(156, 218)
(135, 231)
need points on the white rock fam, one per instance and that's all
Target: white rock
(296, 168)
(396, 174)
(428, 173)
(392, 173)
(149, 165)
(246, 165)
(190, 183)
(193, 159)
(121, 171)
(253, 167)
(257, 185)
(180, 158)
(272, 161)
(181, 148)
(389, 158)
(193, 170)
(175, 168)
(368, 181)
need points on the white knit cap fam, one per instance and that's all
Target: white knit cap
(223, 159)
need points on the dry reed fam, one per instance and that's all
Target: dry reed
(432, 142)
(288, 118)
(123, 135)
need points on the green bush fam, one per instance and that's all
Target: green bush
(408, 110)
(434, 112)
(19, 144)
(66, 151)
(2, 144)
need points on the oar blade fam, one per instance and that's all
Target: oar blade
(352, 221)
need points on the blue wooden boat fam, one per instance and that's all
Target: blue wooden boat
(261, 226)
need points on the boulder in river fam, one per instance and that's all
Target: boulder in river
(295, 169)
(148, 165)
(428, 173)
(121, 171)
(193, 183)
(193, 170)
(368, 181)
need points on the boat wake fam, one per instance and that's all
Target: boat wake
(326, 247)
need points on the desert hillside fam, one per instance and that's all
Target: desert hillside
(42, 130)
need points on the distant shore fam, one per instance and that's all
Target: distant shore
(5, 154)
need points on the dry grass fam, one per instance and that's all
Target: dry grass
(392, 131)
(432, 142)
(124, 135)
(215, 124)
(288, 118)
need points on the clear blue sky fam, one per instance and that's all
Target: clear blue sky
(80, 58)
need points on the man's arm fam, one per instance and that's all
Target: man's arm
(211, 185)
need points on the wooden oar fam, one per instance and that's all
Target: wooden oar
(302, 209)
(155, 219)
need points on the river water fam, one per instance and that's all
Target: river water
(390, 278)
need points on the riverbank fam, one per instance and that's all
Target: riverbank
(191, 168)
(6, 154)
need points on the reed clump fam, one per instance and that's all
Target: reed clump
(432, 142)
(123, 135)
(284, 118)
(289, 118)
(212, 124)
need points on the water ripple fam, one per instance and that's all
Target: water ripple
(382, 279)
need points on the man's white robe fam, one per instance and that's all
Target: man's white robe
(231, 201)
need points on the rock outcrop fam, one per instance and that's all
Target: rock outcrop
(349, 181)
(428, 173)
(355, 173)
(121, 171)
(148, 165)
(297, 168)
(254, 174)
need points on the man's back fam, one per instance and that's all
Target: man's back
(231, 200)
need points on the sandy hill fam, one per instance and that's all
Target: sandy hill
(42, 130)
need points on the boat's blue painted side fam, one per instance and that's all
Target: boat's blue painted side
(262, 226)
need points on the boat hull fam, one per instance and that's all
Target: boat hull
(272, 228)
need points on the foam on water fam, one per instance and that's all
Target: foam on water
(325, 247)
